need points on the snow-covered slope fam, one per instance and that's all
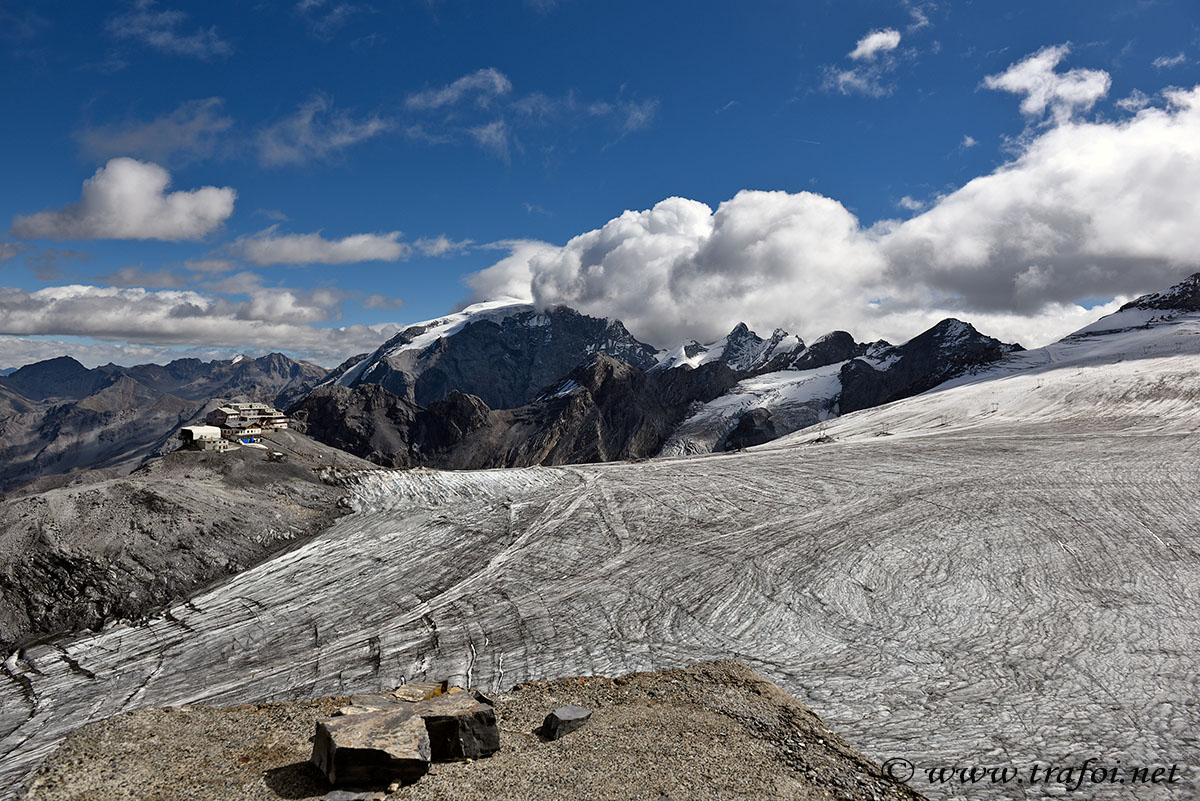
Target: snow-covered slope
(1135, 370)
(795, 399)
(1146, 310)
(1002, 571)
(415, 338)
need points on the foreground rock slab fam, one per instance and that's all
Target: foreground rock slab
(382, 737)
(460, 727)
(564, 720)
(710, 731)
(372, 749)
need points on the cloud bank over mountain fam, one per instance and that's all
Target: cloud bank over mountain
(1085, 210)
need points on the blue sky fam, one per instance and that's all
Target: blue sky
(435, 134)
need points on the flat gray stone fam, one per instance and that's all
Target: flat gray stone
(459, 726)
(348, 795)
(375, 701)
(564, 720)
(372, 749)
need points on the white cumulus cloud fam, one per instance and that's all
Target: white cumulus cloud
(128, 199)
(270, 318)
(876, 60)
(1063, 94)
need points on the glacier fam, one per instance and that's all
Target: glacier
(1002, 570)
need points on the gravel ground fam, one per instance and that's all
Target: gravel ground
(709, 731)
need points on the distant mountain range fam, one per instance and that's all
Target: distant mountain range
(503, 384)
(57, 415)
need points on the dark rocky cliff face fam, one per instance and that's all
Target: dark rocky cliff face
(387, 429)
(832, 348)
(604, 409)
(945, 351)
(504, 362)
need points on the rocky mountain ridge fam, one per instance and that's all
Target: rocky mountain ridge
(741, 349)
(503, 352)
(57, 416)
(606, 409)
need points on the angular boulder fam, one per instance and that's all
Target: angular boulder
(372, 749)
(459, 726)
(564, 720)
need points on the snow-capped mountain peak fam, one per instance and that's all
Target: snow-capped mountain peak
(502, 351)
(741, 349)
(1148, 310)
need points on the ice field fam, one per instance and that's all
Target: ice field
(1004, 570)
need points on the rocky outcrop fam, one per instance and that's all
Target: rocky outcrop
(367, 421)
(753, 428)
(387, 429)
(949, 349)
(832, 348)
(741, 349)
(82, 555)
(601, 411)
